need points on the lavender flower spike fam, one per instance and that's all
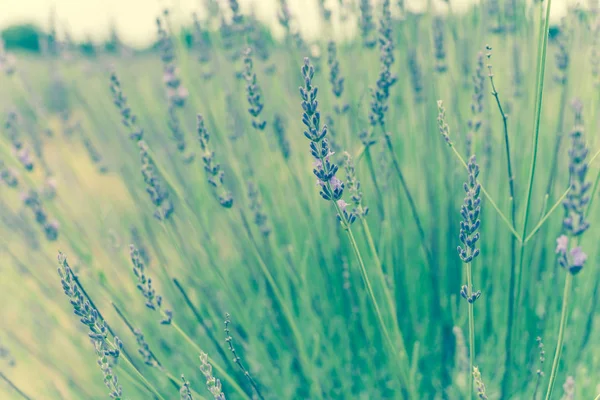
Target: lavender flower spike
(332, 188)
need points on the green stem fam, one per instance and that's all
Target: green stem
(315, 386)
(386, 290)
(542, 49)
(174, 382)
(513, 242)
(15, 387)
(401, 355)
(545, 217)
(537, 386)
(561, 334)
(216, 366)
(142, 378)
(471, 331)
(559, 136)
(538, 114)
(380, 203)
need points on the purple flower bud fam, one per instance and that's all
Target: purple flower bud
(335, 183)
(562, 243)
(578, 257)
(342, 204)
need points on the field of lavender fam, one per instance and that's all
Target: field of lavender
(220, 233)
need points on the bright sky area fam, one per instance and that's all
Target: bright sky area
(134, 19)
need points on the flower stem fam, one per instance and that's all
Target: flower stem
(217, 367)
(15, 387)
(380, 204)
(401, 355)
(386, 290)
(471, 331)
(541, 67)
(561, 334)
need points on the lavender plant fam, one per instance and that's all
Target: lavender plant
(108, 352)
(253, 92)
(570, 256)
(212, 168)
(468, 251)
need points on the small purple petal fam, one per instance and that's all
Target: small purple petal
(578, 257)
(561, 244)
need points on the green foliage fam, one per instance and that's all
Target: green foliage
(22, 37)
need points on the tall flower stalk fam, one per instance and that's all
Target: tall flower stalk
(570, 256)
(469, 235)
(513, 219)
(108, 352)
(332, 189)
(539, 93)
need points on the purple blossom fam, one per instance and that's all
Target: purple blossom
(336, 184)
(578, 257)
(342, 204)
(562, 243)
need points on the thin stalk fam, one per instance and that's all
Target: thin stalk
(216, 366)
(513, 242)
(110, 330)
(411, 202)
(561, 334)
(592, 193)
(590, 321)
(545, 217)
(471, 330)
(401, 355)
(433, 278)
(537, 386)
(238, 360)
(542, 49)
(559, 136)
(172, 380)
(13, 386)
(380, 203)
(386, 290)
(142, 378)
(209, 332)
(304, 360)
(363, 270)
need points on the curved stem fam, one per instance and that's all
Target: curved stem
(561, 334)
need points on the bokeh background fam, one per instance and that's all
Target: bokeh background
(134, 19)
